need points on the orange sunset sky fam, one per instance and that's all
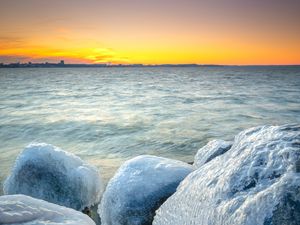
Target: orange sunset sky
(151, 31)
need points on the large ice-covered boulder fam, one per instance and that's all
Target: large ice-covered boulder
(256, 182)
(46, 172)
(210, 151)
(22, 209)
(139, 187)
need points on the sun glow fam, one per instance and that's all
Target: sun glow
(203, 32)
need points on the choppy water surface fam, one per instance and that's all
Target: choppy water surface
(107, 115)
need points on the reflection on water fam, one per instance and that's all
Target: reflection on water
(107, 115)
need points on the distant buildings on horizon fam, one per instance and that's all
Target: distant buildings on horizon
(62, 63)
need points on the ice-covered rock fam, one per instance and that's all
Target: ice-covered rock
(22, 209)
(210, 151)
(256, 182)
(46, 172)
(139, 187)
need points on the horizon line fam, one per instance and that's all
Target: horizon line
(108, 64)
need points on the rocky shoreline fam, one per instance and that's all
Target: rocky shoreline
(251, 180)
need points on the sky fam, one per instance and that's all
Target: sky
(230, 32)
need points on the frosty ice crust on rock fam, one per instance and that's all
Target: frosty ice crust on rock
(210, 151)
(256, 182)
(139, 187)
(22, 209)
(46, 172)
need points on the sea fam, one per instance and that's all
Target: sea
(111, 114)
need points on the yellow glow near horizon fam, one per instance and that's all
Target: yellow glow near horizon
(156, 32)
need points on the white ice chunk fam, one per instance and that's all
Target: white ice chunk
(22, 209)
(139, 187)
(46, 172)
(257, 182)
(210, 151)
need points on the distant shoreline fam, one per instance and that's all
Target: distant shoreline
(60, 65)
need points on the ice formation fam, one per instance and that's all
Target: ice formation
(210, 151)
(46, 172)
(256, 182)
(22, 209)
(139, 187)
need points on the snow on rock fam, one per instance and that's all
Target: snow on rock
(210, 151)
(46, 172)
(139, 187)
(22, 209)
(256, 182)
